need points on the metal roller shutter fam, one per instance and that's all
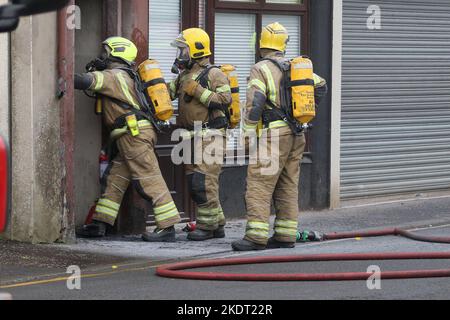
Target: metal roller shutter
(395, 98)
(165, 24)
(202, 14)
(235, 44)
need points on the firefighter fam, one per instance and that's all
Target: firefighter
(264, 103)
(204, 97)
(133, 134)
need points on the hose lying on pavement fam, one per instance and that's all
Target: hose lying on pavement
(385, 232)
(176, 270)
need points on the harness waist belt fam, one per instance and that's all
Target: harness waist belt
(117, 133)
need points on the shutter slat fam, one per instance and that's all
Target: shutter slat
(164, 21)
(395, 133)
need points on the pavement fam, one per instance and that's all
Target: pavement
(124, 267)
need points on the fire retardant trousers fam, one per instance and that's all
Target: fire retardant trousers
(136, 163)
(203, 179)
(281, 185)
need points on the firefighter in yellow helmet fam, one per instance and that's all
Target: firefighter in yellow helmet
(266, 102)
(204, 95)
(113, 80)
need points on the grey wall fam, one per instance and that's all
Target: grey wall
(321, 41)
(87, 124)
(35, 132)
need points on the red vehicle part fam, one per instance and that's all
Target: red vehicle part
(177, 270)
(4, 185)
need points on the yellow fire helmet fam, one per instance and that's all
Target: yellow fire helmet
(122, 48)
(274, 36)
(197, 40)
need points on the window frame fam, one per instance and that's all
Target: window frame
(258, 8)
(189, 14)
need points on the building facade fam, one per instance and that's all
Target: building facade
(382, 131)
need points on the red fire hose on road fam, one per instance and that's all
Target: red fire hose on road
(176, 270)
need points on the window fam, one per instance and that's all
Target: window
(236, 25)
(201, 14)
(235, 43)
(165, 26)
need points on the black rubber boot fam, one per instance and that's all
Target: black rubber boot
(97, 229)
(160, 235)
(200, 235)
(245, 245)
(219, 232)
(275, 244)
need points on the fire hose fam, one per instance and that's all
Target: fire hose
(177, 270)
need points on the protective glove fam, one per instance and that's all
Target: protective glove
(190, 86)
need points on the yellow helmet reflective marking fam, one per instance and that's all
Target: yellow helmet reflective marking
(197, 40)
(122, 48)
(274, 36)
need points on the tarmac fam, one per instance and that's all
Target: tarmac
(124, 267)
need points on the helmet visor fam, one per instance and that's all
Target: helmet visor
(183, 53)
(106, 52)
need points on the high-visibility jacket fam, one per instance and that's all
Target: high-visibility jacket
(264, 88)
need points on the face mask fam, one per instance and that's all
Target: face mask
(182, 61)
(183, 54)
(100, 63)
(97, 65)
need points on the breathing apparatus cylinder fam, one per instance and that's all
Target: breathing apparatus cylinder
(302, 82)
(235, 107)
(155, 89)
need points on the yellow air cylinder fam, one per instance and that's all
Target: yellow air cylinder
(151, 74)
(302, 78)
(235, 107)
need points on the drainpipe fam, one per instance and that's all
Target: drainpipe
(65, 93)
